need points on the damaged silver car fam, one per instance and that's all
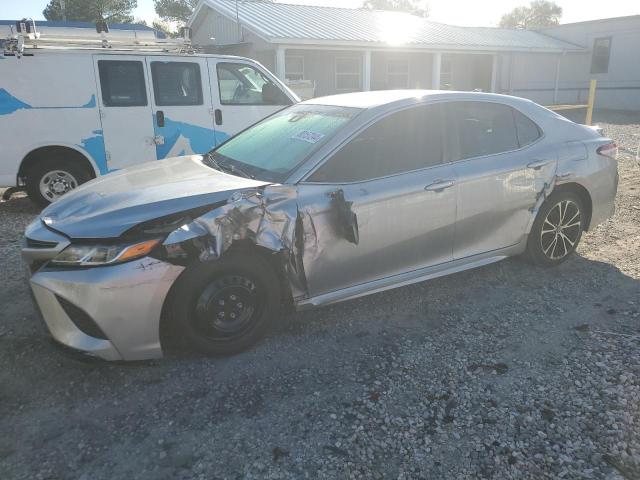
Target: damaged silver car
(324, 201)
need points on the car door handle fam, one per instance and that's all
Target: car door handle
(538, 164)
(439, 185)
(218, 116)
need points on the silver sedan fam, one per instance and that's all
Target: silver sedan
(324, 201)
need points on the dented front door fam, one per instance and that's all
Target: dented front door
(403, 223)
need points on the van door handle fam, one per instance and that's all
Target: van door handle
(439, 185)
(218, 116)
(160, 118)
(538, 164)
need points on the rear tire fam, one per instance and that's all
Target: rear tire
(48, 180)
(557, 229)
(225, 306)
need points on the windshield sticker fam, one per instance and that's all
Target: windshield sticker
(309, 137)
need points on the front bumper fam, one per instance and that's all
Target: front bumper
(124, 301)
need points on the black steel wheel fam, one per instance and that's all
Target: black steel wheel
(224, 306)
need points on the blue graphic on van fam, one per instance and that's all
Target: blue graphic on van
(9, 103)
(95, 147)
(90, 104)
(182, 138)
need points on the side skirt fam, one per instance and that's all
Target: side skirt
(408, 278)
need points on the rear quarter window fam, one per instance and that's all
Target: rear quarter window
(526, 130)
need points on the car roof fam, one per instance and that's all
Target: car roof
(385, 98)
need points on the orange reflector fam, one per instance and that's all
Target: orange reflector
(138, 250)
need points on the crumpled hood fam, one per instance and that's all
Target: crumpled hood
(110, 205)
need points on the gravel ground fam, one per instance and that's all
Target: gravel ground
(508, 371)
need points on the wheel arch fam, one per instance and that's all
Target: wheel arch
(245, 247)
(41, 153)
(584, 195)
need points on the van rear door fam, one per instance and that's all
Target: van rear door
(243, 94)
(125, 110)
(182, 108)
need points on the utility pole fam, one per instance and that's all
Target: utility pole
(64, 11)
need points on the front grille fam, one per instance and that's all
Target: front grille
(81, 319)
(31, 243)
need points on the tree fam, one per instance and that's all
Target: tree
(111, 11)
(175, 10)
(539, 14)
(415, 7)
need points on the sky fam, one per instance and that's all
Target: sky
(456, 12)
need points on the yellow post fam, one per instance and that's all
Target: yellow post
(592, 99)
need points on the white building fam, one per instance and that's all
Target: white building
(341, 50)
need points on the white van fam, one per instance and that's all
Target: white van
(69, 114)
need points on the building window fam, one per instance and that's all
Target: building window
(398, 72)
(601, 52)
(348, 74)
(446, 73)
(294, 67)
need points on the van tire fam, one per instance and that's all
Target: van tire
(60, 175)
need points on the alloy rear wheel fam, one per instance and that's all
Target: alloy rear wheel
(557, 230)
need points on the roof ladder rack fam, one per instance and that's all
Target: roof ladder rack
(27, 37)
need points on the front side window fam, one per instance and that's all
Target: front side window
(242, 84)
(273, 148)
(600, 56)
(176, 83)
(348, 74)
(482, 128)
(122, 83)
(401, 142)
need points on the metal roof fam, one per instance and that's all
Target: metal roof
(289, 23)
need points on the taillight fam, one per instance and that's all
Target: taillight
(608, 150)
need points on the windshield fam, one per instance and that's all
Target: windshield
(271, 149)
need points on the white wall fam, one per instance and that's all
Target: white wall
(618, 89)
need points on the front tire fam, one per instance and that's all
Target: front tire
(225, 306)
(557, 229)
(49, 180)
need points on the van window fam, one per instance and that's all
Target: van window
(483, 128)
(176, 83)
(242, 84)
(401, 142)
(122, 83)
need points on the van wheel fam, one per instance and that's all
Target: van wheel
(556, 230)
(49, 180)
(225, 306)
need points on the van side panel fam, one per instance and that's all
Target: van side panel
(48, 99)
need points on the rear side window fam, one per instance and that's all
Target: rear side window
(122, 83)
(176, 83)
(527, 131)
(483, 128)
(401, 142)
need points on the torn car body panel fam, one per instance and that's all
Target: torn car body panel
(331, 238)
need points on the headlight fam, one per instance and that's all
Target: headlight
(95, 255)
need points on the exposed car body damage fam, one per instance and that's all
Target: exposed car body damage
(324, 240)
(267, 217)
